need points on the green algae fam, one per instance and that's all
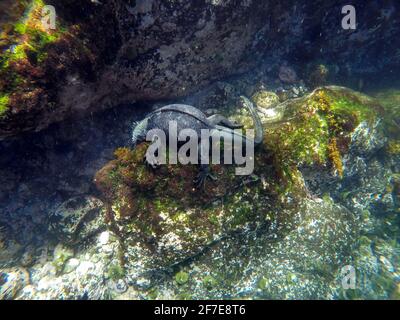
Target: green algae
(61, 256)
(20, 28)
(319, 128)
(162, 207)
(312, 130)
(390, 100)
(115, 272)
(209, 282)
(29, 51)
(181, 278)
(4, 101)
(265, 99)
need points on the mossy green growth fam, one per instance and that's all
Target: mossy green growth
(318, 128)
(312, 130)
(265, 99)
(31, 40)
(209, 282)
(181, 277)
(20, 28)
(390, 100)
(61, 256)
(115, 272)
(394, 147)
(263, 283)
(4, 101)
(153, 294)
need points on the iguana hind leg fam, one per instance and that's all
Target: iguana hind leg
(218, 119)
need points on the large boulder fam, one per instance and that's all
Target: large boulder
(103, 54)
(163, 220)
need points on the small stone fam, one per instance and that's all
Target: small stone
(143, 282)
(84, 268)
(61, 255)
(77, 219)
(182, 277)
(119, 286)
(71, 265)
(104, 238)
(265, 99)
(12, 281)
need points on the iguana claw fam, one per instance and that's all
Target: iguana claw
(201, 178)
(151, 163)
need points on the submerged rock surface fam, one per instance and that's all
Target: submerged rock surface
(324, 194)
(104, 54)
(280, 234)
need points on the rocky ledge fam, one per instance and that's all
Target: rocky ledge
(103, 53)
(284, 232)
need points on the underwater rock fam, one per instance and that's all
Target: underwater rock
(12, 281)
(121, 54)
(301, 263)
(318, 76)
(76, 220)
(61, 256)
(28, 257)
(85, 276)
(265, 99)
(129, 52)
(159, 224)
(367, 139)
(319, 130)
(9, 247)
(287, 74)
(161, 227)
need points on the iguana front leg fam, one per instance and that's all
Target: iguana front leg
(218, 119)
(150, 158)
(204, 174)
(151, 162)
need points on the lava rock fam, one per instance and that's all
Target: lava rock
(12, 281)
(77, 220)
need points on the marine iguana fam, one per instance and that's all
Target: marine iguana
(187, 116)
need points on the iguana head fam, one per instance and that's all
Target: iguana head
(139, 130)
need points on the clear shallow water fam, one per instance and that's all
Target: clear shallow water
(319, 219)
(43, 170)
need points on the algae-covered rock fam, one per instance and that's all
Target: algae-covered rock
(76, 220)
(35, 61)
(102, 54)
(265, 99)
(10, 249)
(304, 262)
(164, 220)
(85, 276)
(390, 100)
(61, 256)
(12, 281)
(318, 129)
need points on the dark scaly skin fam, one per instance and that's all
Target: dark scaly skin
(189, 117)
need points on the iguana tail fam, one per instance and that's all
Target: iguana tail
(258, 127)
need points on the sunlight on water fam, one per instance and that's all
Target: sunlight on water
(85, 213)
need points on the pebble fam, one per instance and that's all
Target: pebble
(12, 281)
(84, 267)
(71, 265)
